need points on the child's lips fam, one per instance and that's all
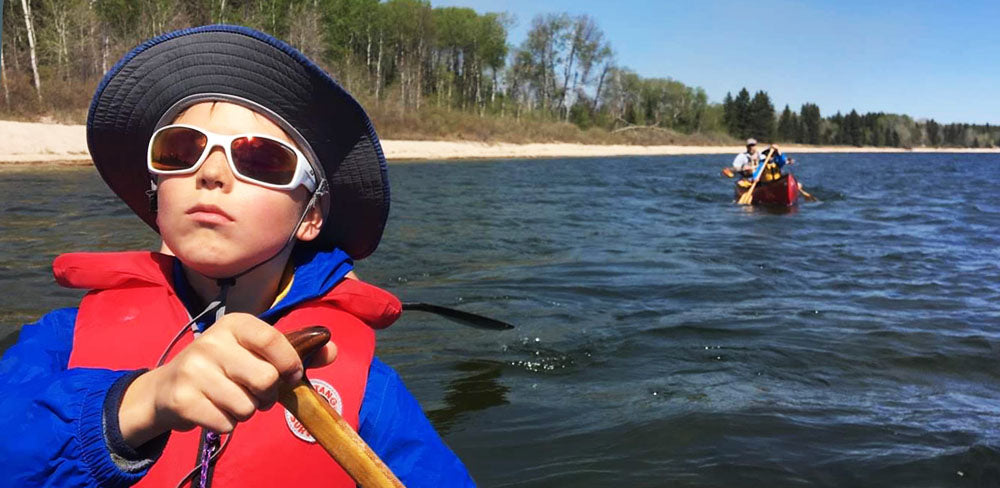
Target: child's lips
(209, 214)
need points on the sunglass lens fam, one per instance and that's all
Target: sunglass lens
(264, 160)
(177, 148)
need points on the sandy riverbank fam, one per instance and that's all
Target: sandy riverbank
(25, 143)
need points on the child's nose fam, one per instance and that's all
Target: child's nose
(214, 172)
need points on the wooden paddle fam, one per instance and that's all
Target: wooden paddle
(806, 194)
(331, 431)
(747, 197)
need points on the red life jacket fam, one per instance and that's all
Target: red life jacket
(132, 313)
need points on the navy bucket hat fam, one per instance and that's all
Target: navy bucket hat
(161, 77)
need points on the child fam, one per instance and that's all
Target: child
(264, 179)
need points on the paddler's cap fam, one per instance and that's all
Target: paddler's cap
(164, 75)
(751, 142)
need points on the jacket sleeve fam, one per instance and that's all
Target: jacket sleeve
(51, 416)
(395, 427)
(779, 159)
(738, 162)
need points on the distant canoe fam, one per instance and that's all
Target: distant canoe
(783, 192)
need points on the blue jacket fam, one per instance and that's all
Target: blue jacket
(51, 416)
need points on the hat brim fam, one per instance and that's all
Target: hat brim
(245, 63)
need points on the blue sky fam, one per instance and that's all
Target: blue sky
(927, 59)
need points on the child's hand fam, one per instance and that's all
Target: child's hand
(220, 379)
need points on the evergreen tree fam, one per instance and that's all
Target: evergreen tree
(837, 135)
(728, 113)
(871, 133)
(788, 126)
(761, 112)
(933, 133)
(949, 134)
(741, 114)
(853, 129)
(809, 114)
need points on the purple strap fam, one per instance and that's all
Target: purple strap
(208, 448)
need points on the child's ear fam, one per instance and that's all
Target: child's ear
(311, 225)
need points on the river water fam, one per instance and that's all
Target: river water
(665, 336)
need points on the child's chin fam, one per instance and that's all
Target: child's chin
(212, 271)
(217, 261)
(210, 265)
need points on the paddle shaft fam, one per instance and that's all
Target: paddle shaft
(336, 436)
(329, 429)
(806, 194)
(460, 316)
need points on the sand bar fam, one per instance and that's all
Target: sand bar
(29, 142)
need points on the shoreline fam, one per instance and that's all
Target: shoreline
(40, 144)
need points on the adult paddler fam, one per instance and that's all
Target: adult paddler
(746, 162)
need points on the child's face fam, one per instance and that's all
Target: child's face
(219, 225)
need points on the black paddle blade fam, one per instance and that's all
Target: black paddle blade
(464, 318)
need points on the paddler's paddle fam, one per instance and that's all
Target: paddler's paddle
(464, 318)
(747, 197)
(326, 425)
(728, 173)
(806, 194)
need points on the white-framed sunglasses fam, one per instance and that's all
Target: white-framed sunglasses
(260, 159)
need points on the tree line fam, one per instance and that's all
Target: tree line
(745, 117)
(412, 57)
